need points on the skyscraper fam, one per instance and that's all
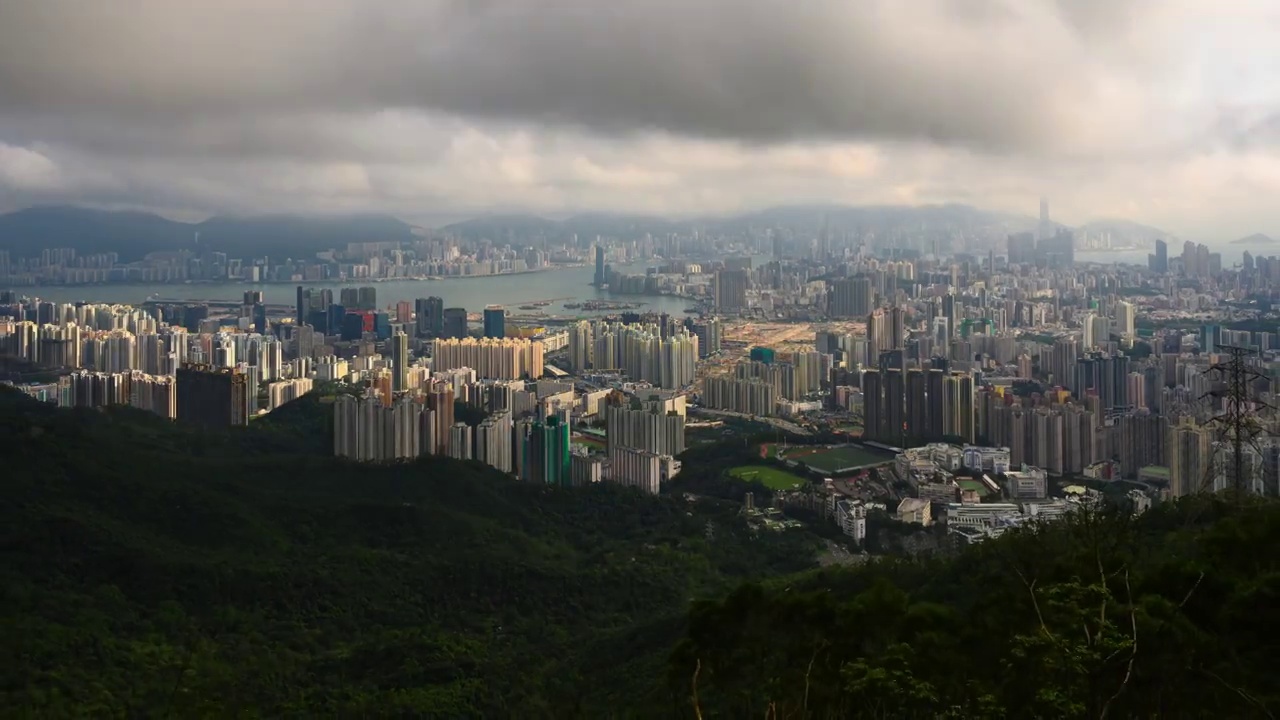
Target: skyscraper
(1189, 451)
(400, 361)
(892, 404)
(370, 430)
(959, 406)
(493, 441)
(645, 429)
(871, 398)
(495, 322)
(600, 273)
(917, 406)
(851, 297)
(440, 402)
(430, 316)
(897, 328)
(879, 336)
(1159, 262)
(731, 289)
(580, 335)
(546, 453)
(302, 305)
(455, 323)
(460, 441)
(212, 397)
(937, 399)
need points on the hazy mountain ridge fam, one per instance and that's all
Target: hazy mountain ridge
(1255, 239)
(797, 218)
(133, 234)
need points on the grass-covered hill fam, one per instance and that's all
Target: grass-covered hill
(153, 571)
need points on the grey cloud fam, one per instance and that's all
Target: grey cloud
(998, 75)
(377, 137)
(417, 108)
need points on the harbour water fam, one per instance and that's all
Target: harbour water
(560, 286)
(1231, 253)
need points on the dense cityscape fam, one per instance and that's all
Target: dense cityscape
(644, 361)
(977, 369)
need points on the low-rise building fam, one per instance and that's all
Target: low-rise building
(917, 511)
(1029, 483)
(852, 517)
(986, 459)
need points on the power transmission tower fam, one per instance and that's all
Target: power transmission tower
(1239, 423)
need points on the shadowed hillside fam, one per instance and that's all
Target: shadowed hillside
(144, 580)
(153, 571)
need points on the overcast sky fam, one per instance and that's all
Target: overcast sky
(1160, 111)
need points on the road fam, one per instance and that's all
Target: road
(776, 422)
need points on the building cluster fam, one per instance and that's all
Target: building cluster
(527, 431)
(119, 355)
(769, 383)
(997, 356)
(975, 492)
(663, 353)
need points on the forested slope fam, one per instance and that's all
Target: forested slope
(150, 571)
(1175, 614)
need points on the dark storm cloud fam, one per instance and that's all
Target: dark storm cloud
(983, 73)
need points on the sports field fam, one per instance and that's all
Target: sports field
(832, 459)
(772, 478)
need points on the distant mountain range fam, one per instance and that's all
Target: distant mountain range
(134, 234)
(806, 219)
(1255, 239)
(26, 233)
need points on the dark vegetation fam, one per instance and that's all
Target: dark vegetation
(20, 370)
(472, 415)
(1171, 615)
(149, 571)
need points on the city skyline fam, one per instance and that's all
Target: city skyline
(1155, 112)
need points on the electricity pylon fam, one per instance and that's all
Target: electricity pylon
(1239, 424)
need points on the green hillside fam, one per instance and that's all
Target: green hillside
(151, 571)
(1175, 614)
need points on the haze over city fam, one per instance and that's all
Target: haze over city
(1158, 112)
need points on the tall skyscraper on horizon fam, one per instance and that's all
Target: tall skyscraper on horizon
(600, 272)
(1159, 261)
(1046, 225)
